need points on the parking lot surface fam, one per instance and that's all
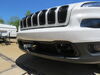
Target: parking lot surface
(8, 55)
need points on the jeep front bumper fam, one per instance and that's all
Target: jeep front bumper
(85, 53)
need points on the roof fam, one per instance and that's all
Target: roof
(6, 26)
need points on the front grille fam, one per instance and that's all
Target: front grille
(34, 19)
(21, 24)
(62, 14)
(46, 18)
(51, 16)
(51, 49)
(42, 19)
(29, 21)
(24, 22)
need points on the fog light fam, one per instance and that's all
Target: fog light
(97, 47)
(94, 48)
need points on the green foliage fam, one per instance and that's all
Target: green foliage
(1, 21)
(28, 13)
(14, 20)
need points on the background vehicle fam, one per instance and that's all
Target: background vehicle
(8, 30)
(68, 33)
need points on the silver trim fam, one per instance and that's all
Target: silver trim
(49, 25)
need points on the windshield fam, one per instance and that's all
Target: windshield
(91, 4)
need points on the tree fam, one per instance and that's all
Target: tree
(1, 21)
(14, 20)
(28, 13)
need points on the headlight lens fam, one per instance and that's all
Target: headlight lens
(91, 23)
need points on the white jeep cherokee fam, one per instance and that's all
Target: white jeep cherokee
(68, 33)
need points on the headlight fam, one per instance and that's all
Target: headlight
(91, 23)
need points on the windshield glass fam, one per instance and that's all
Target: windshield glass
(91, 4)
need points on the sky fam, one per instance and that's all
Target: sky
(18, 8)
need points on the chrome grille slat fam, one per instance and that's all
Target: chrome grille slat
(41, 19)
